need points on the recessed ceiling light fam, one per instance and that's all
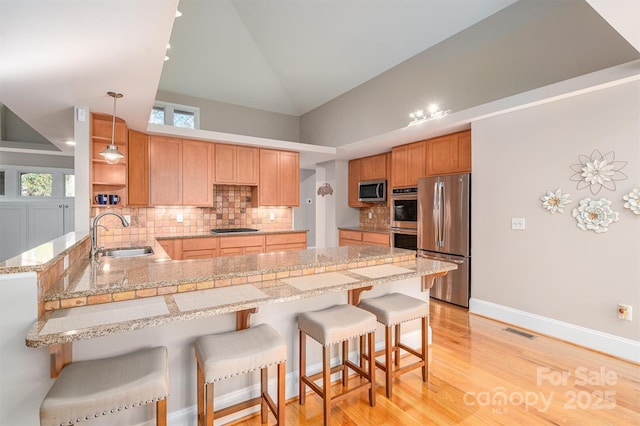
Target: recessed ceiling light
(166, 58)
(168, 46)
(72, 143)
(178, 13)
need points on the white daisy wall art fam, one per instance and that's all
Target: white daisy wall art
(594, 215)
(633, 201)
(555, 201)
(598, 171)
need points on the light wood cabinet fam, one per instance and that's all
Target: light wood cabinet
(197, 173)
(373, 167)
(165, 171)
(279, 182)
(241, 244)
(367, 168)
(235, 165)
(173, 247)
(286, 242)
(138, 169)
(199, 248)
(180, 172)
(108, 178)
(449, 154)
(408, 164)
(356, 238)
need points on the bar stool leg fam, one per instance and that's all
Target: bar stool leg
(345, 357)
(264, 387)
(388, 365)
(397, 346)
(372, 369)
(281, 395)
(425, 348)
(303, 367)
(209, 409)
(326, 385)
(200, 380)
(161, 412)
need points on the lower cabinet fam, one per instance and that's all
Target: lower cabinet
(356, 238)
(209, 247)
(286, 242)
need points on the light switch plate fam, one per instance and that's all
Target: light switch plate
(517, 223)
(179, 218)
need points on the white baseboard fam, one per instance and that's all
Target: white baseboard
(188, 416)
(593, 339)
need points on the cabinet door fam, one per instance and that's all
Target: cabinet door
(376, 239)
(449, 154)
(289, 179)
(268, 191)
(373, 167)
(13, 232)
(354, 179)
(45, 222)
(138, 169)
(416, 163)
(246, 165)
(225, 164)
(197, 184)
(165, 171)
(399, 166)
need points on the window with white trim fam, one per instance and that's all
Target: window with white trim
(175, 115)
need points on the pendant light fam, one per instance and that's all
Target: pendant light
(111, 154)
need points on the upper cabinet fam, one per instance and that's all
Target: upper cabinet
(279, 183)
(138, 169)
(408, 164)
(367, 168)
(449, 154)
(197, 173)
(235, 165)
(180, 172)
(108, 178)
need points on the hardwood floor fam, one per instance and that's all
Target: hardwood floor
(483, 375)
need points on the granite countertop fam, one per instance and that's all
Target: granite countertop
(42, 256)
(365, 229)
(213, 286)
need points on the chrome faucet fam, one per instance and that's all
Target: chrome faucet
(94, 230)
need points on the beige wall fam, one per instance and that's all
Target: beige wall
(227, 118)
(473, 67)
(553, 269)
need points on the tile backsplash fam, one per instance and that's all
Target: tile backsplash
(232, 209)
(380, 217)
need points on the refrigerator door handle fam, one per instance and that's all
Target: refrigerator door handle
(443, 202)
(436, 215)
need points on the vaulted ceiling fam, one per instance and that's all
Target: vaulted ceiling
(287, 56)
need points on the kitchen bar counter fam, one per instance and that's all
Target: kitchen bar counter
(365, 229)
(203, 288)
(227, 234)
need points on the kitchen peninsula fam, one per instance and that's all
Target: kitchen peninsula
(151, 293)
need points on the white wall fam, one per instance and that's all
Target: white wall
(554, 277)
(333, 210)
(304, 216)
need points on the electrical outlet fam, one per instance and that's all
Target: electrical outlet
(370, 215)
(272, 216)
(65, 262)
(624, 311)
(127, 217)
(179, 218)
(517, 223)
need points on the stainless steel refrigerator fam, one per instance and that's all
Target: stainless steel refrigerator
(444, 225)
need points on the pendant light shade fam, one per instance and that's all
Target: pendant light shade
(111, 154)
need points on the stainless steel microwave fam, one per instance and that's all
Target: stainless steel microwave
(372, 191)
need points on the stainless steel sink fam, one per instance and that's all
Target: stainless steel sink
(127, 251)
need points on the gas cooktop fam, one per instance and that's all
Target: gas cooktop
(230, 230)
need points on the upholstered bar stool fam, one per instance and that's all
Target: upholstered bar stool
(328, 327)
(392, 310)
(225, 355)
(88, 389)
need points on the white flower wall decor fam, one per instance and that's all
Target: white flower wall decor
(555, 201)
(597, 171)
(633, 201)
(594, 215)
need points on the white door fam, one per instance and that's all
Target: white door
(13, 229)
